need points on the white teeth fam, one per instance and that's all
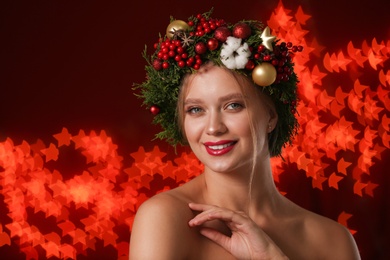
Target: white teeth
(219, 147)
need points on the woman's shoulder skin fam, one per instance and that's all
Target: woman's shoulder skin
(313, 236)
(332, 240)
(160, 229)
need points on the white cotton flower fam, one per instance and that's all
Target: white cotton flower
(233, 54)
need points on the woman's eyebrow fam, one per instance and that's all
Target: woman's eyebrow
(232, 96)
(192, 101)
(221, 99)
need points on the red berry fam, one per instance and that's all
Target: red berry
(190, 60)
(181, 64)
(260, 48)
(154, 110)
(267, 58)
(250, 65)
(294, 48)
(300, 48)
(165, 65)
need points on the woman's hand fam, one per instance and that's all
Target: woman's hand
(248, 241)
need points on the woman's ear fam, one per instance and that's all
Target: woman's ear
(273, 119)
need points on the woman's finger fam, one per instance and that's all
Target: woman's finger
(200, 207)
(216, 213)
(216, 236)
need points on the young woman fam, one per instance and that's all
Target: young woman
(233, 209)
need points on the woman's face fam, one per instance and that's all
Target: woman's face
(217, 118)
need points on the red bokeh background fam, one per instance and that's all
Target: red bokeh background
(68, 66)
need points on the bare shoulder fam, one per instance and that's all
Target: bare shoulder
(330, 238)
(160, 228)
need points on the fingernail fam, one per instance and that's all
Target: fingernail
(192, 222)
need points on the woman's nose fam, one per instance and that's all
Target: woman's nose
(216, 125)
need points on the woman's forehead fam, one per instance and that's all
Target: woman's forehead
(214, 78)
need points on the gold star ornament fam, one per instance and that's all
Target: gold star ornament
(267, 38)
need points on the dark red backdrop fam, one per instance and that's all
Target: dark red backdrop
(72, 63)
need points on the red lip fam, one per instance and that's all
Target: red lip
(212, 150)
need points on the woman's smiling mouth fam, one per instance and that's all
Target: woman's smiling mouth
(220, 147)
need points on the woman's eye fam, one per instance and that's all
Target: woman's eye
(194, 110)
(234, 106)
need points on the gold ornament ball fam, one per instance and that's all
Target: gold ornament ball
(176, 26)
(264, 74)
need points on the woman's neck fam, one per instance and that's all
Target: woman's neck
(232, 190)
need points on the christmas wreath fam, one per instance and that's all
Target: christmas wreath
(246, 47)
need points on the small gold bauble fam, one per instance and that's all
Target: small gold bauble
(176, 26)
(264, 74)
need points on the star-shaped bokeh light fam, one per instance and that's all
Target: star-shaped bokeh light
(345, 130)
